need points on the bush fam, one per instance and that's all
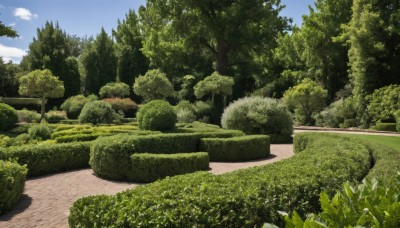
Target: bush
(385, 127)
(153, 85)
(8, 117)
(97, 112)
(12, 182)
(21, 139)
(244, 198)
(185, 116)
(114, 89)
(151, 167)
(257, 115)
(383, 104)
(73, 105)
(204, 111)
(78, 138)
(55, 116)
(157, 115)
(46, 159)
(28, 116)
(341, 113)
(127, 106)
(183, 104)
(244, 148)
(39, 132)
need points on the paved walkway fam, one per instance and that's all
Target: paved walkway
(46, 200)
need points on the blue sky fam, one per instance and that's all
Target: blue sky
(80, 17)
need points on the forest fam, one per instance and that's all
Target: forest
(339, 68)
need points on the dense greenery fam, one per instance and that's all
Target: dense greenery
(383, 104)
(114, 89)
(12, 182)
(73, 105)
(157, 115)
(153, 85)
(8, 117)
(97, 112)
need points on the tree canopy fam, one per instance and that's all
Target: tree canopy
(214, 84)
(153, 85)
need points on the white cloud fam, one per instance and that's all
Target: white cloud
(11, 53)
(24, 14)
(13, 24)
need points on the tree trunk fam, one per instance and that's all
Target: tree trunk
(222, 57)
(43, 110)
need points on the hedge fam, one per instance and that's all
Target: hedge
(78, 138)
(385, 127)
(243, 148)
(244, 198)
(151, 167)
(50, 158)
(12, 182)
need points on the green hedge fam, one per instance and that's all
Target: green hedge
(244, 198)
(46, 159)
(78, 138)
(12, 182)
(151, 167)
(385, 127)
(243, 148)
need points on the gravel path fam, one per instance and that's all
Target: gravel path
(46, 200)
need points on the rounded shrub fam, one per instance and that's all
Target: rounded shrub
(12, 182)
(73, 105)
(257, 115)
(97, 112)
(28, 116)
(40, 132)
(383, 104)
(8, 117)
(156, 115)
(185, 116)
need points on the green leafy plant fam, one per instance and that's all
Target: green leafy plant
(73, 105)
(153, 85)
(8, 117)
(214, 84)
(341, 113)
(39, 132)
(12, 182)
(157, 115)
(383, 104)
(28, 116)
(97, 112)
(114, 89)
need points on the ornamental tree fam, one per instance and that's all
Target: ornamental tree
(153, 85)
(214, 84)
(114, 89)
(42, 84)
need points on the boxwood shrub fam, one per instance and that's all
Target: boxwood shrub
(243, 148)
(150, 167)
(8, 117)
(244, 198)
(12, 182)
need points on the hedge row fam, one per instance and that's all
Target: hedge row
(46, 159)
(151, 167)
(244, 198)
(243, 148)
(385, 127)
(12, 182)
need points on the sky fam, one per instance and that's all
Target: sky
(81, 18)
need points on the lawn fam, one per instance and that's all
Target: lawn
(391, 141)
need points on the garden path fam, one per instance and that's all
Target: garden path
(47, 199)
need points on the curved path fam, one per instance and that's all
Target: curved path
(47, 199)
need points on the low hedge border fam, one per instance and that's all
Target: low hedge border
(151, 167)
(385, 127)
(244, 198)
(12, 182)
(243, 148)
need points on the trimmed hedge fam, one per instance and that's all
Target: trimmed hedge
(244, 198)
(78, 138)
(385, 127)
(46, 159)
(12, 182)
(151, 167)
(242, 148)
(8, 117)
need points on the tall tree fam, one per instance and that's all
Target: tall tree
(99, 61)
(7, 31)
(131, 61)
(50, 50)
(9, 73)
(374, 37)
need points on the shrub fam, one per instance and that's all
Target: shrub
(12, 182)
(127, 106)
(383, 104)
(244, 148)
(97, 112)
(55, 116)
(185, 116)
(385, 127)
(156, 115)
(21, 139)
(184, 105)
(153, 85)
(78, 138)
(73, 105)
(5, 141)
(151, 167)
(204, 111)
(114, 89)
(40, 132)
(8, 117)
(245, 198)
(257, 115)
(28, 116)
(341, 113)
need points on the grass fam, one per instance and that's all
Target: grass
(391, 141)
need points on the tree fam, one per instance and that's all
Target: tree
(306, 99)
(7, 31)
(383, 104)
(51, 50)
(214, 84)
(114, 89)
(99, 61)
(153, 85)
(42, 84)
(9, 73)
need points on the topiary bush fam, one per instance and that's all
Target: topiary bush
(383, 104)
(73, 105)
(12, 182)
(39, 132)
(97, 112)
(257, 115)
(157, 115)
(8, 117)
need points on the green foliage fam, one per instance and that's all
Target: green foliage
(78, 138)
(245, 198)
(151, 167)
(187, 91)
(73, 105)
(307, 99)
(28, 116)
(385, 127)
(8, 117)
(46, 159)
(341, 113)
(374, 203)
(185, 116)
(156, 115)
(71, 77)
(204, 111)
(153, 85)
(383, 104)
(257, 115)
(39, 132)
(12, 182)
(114, 89)
(236, 149)
(7, 31)
(97, 112)
(126, 106)
(214, 84)
(55, 116)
